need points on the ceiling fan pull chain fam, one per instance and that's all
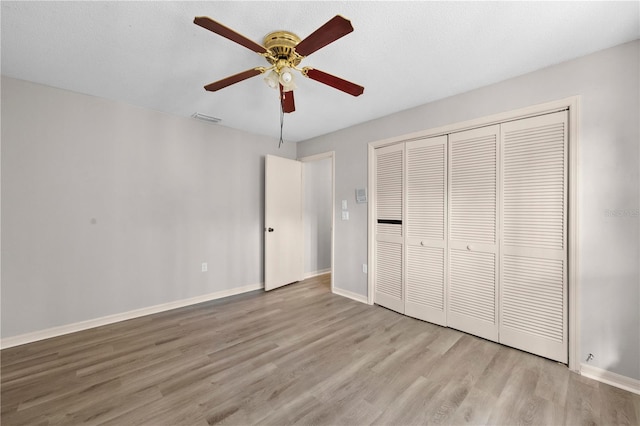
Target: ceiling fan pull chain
(281, 123)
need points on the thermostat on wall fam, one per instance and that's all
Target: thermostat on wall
(361, 195)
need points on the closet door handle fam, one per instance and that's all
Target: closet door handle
(469, 247)
(270, 230)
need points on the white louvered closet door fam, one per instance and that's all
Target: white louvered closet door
(426, 237)
(473, 196)
(534, 245)
(389, 291)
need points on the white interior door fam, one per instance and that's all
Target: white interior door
(533, 297)
(473, 243)
(426, 230)
(283, 241)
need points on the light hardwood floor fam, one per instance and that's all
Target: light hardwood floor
(297, 355)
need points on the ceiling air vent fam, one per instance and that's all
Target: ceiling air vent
(207, 118)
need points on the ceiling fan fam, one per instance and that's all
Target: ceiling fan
(284, 51)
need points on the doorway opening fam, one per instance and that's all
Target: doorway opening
(318, 199)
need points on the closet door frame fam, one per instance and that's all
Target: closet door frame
(571, 104)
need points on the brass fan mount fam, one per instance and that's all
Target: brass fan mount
(282, 49)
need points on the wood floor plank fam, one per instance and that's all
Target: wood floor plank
(410, 406)
(553, 383)
(617, 406)
(475, 409)
(296, 355)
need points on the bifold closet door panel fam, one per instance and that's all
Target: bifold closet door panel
(533, 300)
(389, 288)
(473, 225)
(425, 243)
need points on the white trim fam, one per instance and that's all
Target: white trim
(570, 103)
(572, 236)
(317, 157)
(316, 273)
(351, 295)
(371, 231)
(610, 378)
(22, 339)
(490, 120)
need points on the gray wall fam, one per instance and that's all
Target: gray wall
(317, 215)
(609, 157)
(108, 208)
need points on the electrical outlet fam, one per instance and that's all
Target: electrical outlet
(204, 266)
(345, 215)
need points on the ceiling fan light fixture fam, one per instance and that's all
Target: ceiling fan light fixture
(286, 76)
(272, 79)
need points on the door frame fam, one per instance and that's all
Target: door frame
(318, 157)
(571, 104)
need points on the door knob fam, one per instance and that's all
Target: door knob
(270, 229)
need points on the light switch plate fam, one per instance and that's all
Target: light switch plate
(344, 204)
(361, 195)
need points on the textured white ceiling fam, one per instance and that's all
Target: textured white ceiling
(405, 54)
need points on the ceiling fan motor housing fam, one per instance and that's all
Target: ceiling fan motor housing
(281, 46)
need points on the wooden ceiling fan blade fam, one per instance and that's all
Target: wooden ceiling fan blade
(221, 84)
(333, 81)
(226, 32)
(334, 29)
(288, 104)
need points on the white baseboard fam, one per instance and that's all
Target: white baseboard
(351, 295)
(610, 378)
(22, 339)
(316, 273)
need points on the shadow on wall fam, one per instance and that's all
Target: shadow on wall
(617, 350)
